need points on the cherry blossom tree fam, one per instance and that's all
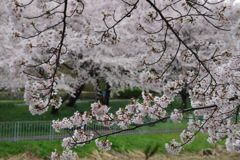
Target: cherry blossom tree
(9, 80)
(159, 45)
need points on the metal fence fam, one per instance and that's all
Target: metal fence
(42, 130)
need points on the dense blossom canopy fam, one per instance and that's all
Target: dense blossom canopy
(167, 45)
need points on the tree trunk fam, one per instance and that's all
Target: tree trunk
(98, 91)
(55, 110)
(107, 96)
(72, 100)
(184, 96)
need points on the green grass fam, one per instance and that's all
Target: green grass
(11, 112)
(29, 129)
(114, 105)
(20, 112)
(15, 110)
(11, 101)
(120, 144)
(141, 142)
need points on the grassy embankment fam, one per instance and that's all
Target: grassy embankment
(120, 144)
(12, 112)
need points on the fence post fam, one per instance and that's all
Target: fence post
(16, 126)
(190, 118)
(51, 132)
(167, 126)
(15, 130)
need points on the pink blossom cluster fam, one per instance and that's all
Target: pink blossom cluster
(80, 119)
(104, 145)
(163, 101)
(233, 142)
(174, 147)
(193, 126)
(172, 88)
(176, 116)
(66, 155)
(133, 113)
(186, 137)
(78, 139)
(75, 121)
(98, 110)
(40, 101)
(64, 124)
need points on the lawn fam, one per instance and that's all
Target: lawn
(120, 144)
(16, 110)
(12, 110)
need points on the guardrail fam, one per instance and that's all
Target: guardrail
(42, 130)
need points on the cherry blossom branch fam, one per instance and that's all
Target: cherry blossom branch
(170, 64)
(179, 39)
(60, 47)
(205, 121)
(47, 12)
(105, 33)
(23, 5)
(147, 124)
